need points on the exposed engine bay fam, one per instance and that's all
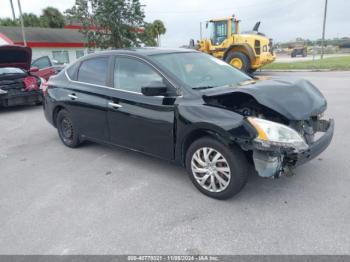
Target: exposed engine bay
(272, 161)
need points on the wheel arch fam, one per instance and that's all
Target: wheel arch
(196, 134)
(55, 112)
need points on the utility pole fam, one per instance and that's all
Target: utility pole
(324, 27)
(13, 11)
(22, 24)
(200, 31)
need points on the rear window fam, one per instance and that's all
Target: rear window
(11, 70)
(94, 71)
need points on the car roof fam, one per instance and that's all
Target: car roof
(146, 51)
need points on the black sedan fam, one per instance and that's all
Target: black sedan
(190, 108)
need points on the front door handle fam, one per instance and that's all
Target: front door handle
(114, 105)
(73, 96)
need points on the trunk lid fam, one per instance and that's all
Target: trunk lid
(15, 56)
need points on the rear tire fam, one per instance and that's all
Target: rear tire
(239, 61)
(67, 131)
(216, 170)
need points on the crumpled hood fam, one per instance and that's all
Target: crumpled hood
(296, 99)
(15, 56)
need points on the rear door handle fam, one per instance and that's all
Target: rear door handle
(73, 96)
(114, 105)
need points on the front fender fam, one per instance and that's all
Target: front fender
(229, 126)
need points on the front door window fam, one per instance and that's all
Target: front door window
(131, 75)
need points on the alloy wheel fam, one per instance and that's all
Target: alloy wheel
(210, 169)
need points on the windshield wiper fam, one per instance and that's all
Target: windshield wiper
(202, 87)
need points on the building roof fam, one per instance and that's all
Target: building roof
(43, 37)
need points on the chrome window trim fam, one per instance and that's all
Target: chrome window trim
(127, 91)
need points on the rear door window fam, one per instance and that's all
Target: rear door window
(94, 71)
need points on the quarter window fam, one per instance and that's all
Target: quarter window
(132, 75)
(94, 71)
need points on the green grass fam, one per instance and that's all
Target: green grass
(332, 63)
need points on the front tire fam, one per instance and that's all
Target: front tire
(217, 171)
(239, 61)
(67, 131)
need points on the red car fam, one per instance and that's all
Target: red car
(18, 83)
(46, 66)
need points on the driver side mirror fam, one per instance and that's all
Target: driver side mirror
(155, 88)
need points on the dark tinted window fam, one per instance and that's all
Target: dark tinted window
(94, 71)
(42, 62)
(132, 75)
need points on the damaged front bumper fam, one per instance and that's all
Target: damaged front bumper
(275, 161)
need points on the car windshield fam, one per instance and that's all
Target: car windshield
(201, 71)
(10, 70)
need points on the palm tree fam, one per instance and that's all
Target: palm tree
(52, 18)
(159, 29)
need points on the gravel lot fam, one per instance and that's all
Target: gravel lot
(102, 200)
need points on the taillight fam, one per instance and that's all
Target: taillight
(30, 83)
(44, 87)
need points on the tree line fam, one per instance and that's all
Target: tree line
(318, 42)
(50, 17)
(104, 23)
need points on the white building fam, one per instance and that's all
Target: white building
(61, 44)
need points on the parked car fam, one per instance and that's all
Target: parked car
(190, 108)
(47, 67)
(18, 84)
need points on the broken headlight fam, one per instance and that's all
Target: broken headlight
(272, 133)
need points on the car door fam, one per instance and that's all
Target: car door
(86, 98)
(45, 67)
(135, 121)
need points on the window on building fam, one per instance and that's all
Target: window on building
(79, 53)
(62, 57)
(94, 71)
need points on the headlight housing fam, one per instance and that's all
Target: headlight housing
(272, 133)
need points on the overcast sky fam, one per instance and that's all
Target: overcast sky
(282, 20)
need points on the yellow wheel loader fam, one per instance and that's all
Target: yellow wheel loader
(246, 51)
